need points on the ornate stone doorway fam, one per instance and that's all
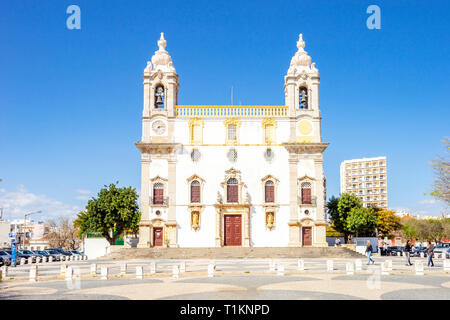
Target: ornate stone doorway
(307, 236)
(232, 225)
(158, 237)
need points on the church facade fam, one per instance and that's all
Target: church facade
(214, 176)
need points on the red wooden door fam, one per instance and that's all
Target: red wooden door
(157, 237)
(307, 236)
(158, 196)
(306, 195)
(233, 230)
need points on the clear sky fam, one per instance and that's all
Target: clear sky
(71, 100)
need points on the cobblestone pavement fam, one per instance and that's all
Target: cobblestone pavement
(234, 279)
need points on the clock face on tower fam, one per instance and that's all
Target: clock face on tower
(159, 127)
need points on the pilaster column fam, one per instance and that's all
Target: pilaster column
(171, 223)
(294, 228)
(320, 223)
(144, 224)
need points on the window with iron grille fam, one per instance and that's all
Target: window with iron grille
(158, 193)
(232, 132)
(195, 191)
(306, 193)
(232, 190)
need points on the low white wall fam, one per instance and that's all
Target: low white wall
(96, 247)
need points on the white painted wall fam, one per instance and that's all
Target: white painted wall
(96, 247)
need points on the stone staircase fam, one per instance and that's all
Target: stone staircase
(230, 252)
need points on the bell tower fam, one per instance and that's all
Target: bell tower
(160, 94)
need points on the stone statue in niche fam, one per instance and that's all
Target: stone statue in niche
(195, 221)
(270, 220)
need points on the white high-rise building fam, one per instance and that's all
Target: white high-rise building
(214, 176)
(367, 179)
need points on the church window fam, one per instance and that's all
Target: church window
(195, 155)
(232, 136)
(195, 191)
(306, 193)
(232, 155)
(303, 98)
(269, 154)
(269, 191)
(196, 130)
(159, 97)
(232, 190)
(158, 193)
(269, 133)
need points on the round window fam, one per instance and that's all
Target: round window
(269, 154)
(232, 155)
(195, 155)
(158, 213)
(306, 212)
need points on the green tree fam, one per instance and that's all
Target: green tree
(339, 209)
(361, 221)
(441, 184)
(411, 229)
(111, 213)
(387, 222)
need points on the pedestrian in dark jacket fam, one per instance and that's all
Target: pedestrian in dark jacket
(408, 253)
(369, 250)
(430, 250)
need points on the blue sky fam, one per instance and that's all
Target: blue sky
(71, 100)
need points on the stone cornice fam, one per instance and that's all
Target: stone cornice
(157, 147)
(297, 147)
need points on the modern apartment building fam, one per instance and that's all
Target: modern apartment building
(366, 178)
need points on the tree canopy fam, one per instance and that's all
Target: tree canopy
(361, 221)
(441, 184)
(339, 210)
(388, 221)
(111, 213)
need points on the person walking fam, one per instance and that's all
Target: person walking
(337, 242)
(369, 252)
(430, 250)
(408, 253)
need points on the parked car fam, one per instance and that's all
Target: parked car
(441, 247)
(21, 255)
(2, 262)
(47, 255)
(35, 256)
(55, 254)
(6, 258)
(62, 251)
(417, 250)
(392, 250)
(77, 253)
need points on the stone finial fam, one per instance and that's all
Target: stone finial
(301, 60)
(300, 42)
(162, 43)
(219, 197)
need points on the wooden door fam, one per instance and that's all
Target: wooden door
(306, 195)
(233, 227)
(307, 236)
(158, 237)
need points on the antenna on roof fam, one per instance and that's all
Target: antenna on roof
(231, 95)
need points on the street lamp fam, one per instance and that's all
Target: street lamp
(24, 223)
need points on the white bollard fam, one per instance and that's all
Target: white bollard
(123, 268)
(152, 267)
(280, 270)
(211, 269)
(358, 265)
(104, 273)
(38, 259)
(350, 268)
(63, 269)
(69, 273)
(272, 265)
(139, 272)
(44, 259)
(30, 260)
(93, 269)
(22, 261)
(384, 269)
(422, 254)
(50, 259)
(330, 265)
(33, 273)
(389, 265)
(301, 265)
(175, 272)
(183, 267)
(446, 265)
(72, 258)
(419, 268)
(5, 271)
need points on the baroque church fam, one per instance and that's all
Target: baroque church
(249, 176)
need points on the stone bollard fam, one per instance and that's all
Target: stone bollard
(104, 273)
(93, 269)
(50, 259)
(182, 267)
(422, 255)
(44, 259)
(350, 268)
(419, 268)
(123, 268)
(1, 275)
(30, 260)
(384, 269)
(358, 265)
(152, 267)
(398, 254)
(280, 270)
(330, 265)
(272, 265)
(38, 259)
(139, 272)
(69, 273)
(33, 273)
(175, 272)
(63, 269)
(85, 257)
(446, 265)
(22, 261)
(389, 265)
(301, 265)
(5, 271)
(211, 269)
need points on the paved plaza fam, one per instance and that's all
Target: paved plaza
(233, 279)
